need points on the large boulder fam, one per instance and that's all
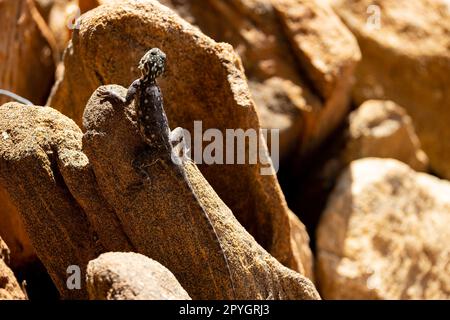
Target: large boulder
(131, 276)
(183, 224)
(40, 151)
(75, 208)
(384, 234)
(204, 81)
(406, 58)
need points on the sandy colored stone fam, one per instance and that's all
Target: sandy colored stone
(167, 221)
(9, 288)
(131, 276)
(36, 145)
(302, 47)
(73, 211)
(383, 129)
(204, 81)
(377, 128)
(27, 52)
(407, 60)
(385, 235)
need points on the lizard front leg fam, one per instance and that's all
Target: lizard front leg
(111, 95)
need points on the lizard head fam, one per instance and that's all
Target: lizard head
(152, 64)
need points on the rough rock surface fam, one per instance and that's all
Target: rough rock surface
(383, 129)
(165, 220)
(300, 46)
(75, 208)
(204, 81)
(131, 276)
(375, 129)
(9, 288)
(37, 146)
(385, 235)
(407, 60)
(27, 52)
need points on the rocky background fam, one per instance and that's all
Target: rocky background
(360, 208)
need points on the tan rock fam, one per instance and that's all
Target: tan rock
(204, 81)
(37, 145)
(9, 288)
(131, 276)
(383, 129)
(302, 47)
(27, 51)
(385, 235)
(407, 60)
(377, 128)
(182, 224)
(73, 211)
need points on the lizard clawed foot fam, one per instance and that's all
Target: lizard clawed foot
(109, 95)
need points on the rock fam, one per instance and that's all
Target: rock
(302, 47)
(300, 245)
(204, 81)
(26, 69)
(218, 261)
(131, 276)
(407, 60)
(38, 145)
(73, 211)
(375, 129)
(9, 288)
(13, 232)
(383, 129)
(384, 234)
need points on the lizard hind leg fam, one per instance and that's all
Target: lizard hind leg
(142, 162)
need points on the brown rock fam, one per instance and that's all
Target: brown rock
(220, 263)
(37, 145)
(9, 288)
(13, 232)
(385, 235)
(131, 276)
(376, 129)
(407, 60)
(301, 45)
(27, 52)
(73, 213)
(204, 81)
(383, 129)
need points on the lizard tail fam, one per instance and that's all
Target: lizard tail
(15, 97)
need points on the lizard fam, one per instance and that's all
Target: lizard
(154, 128)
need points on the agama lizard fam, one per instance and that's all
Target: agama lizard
(154, 127)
